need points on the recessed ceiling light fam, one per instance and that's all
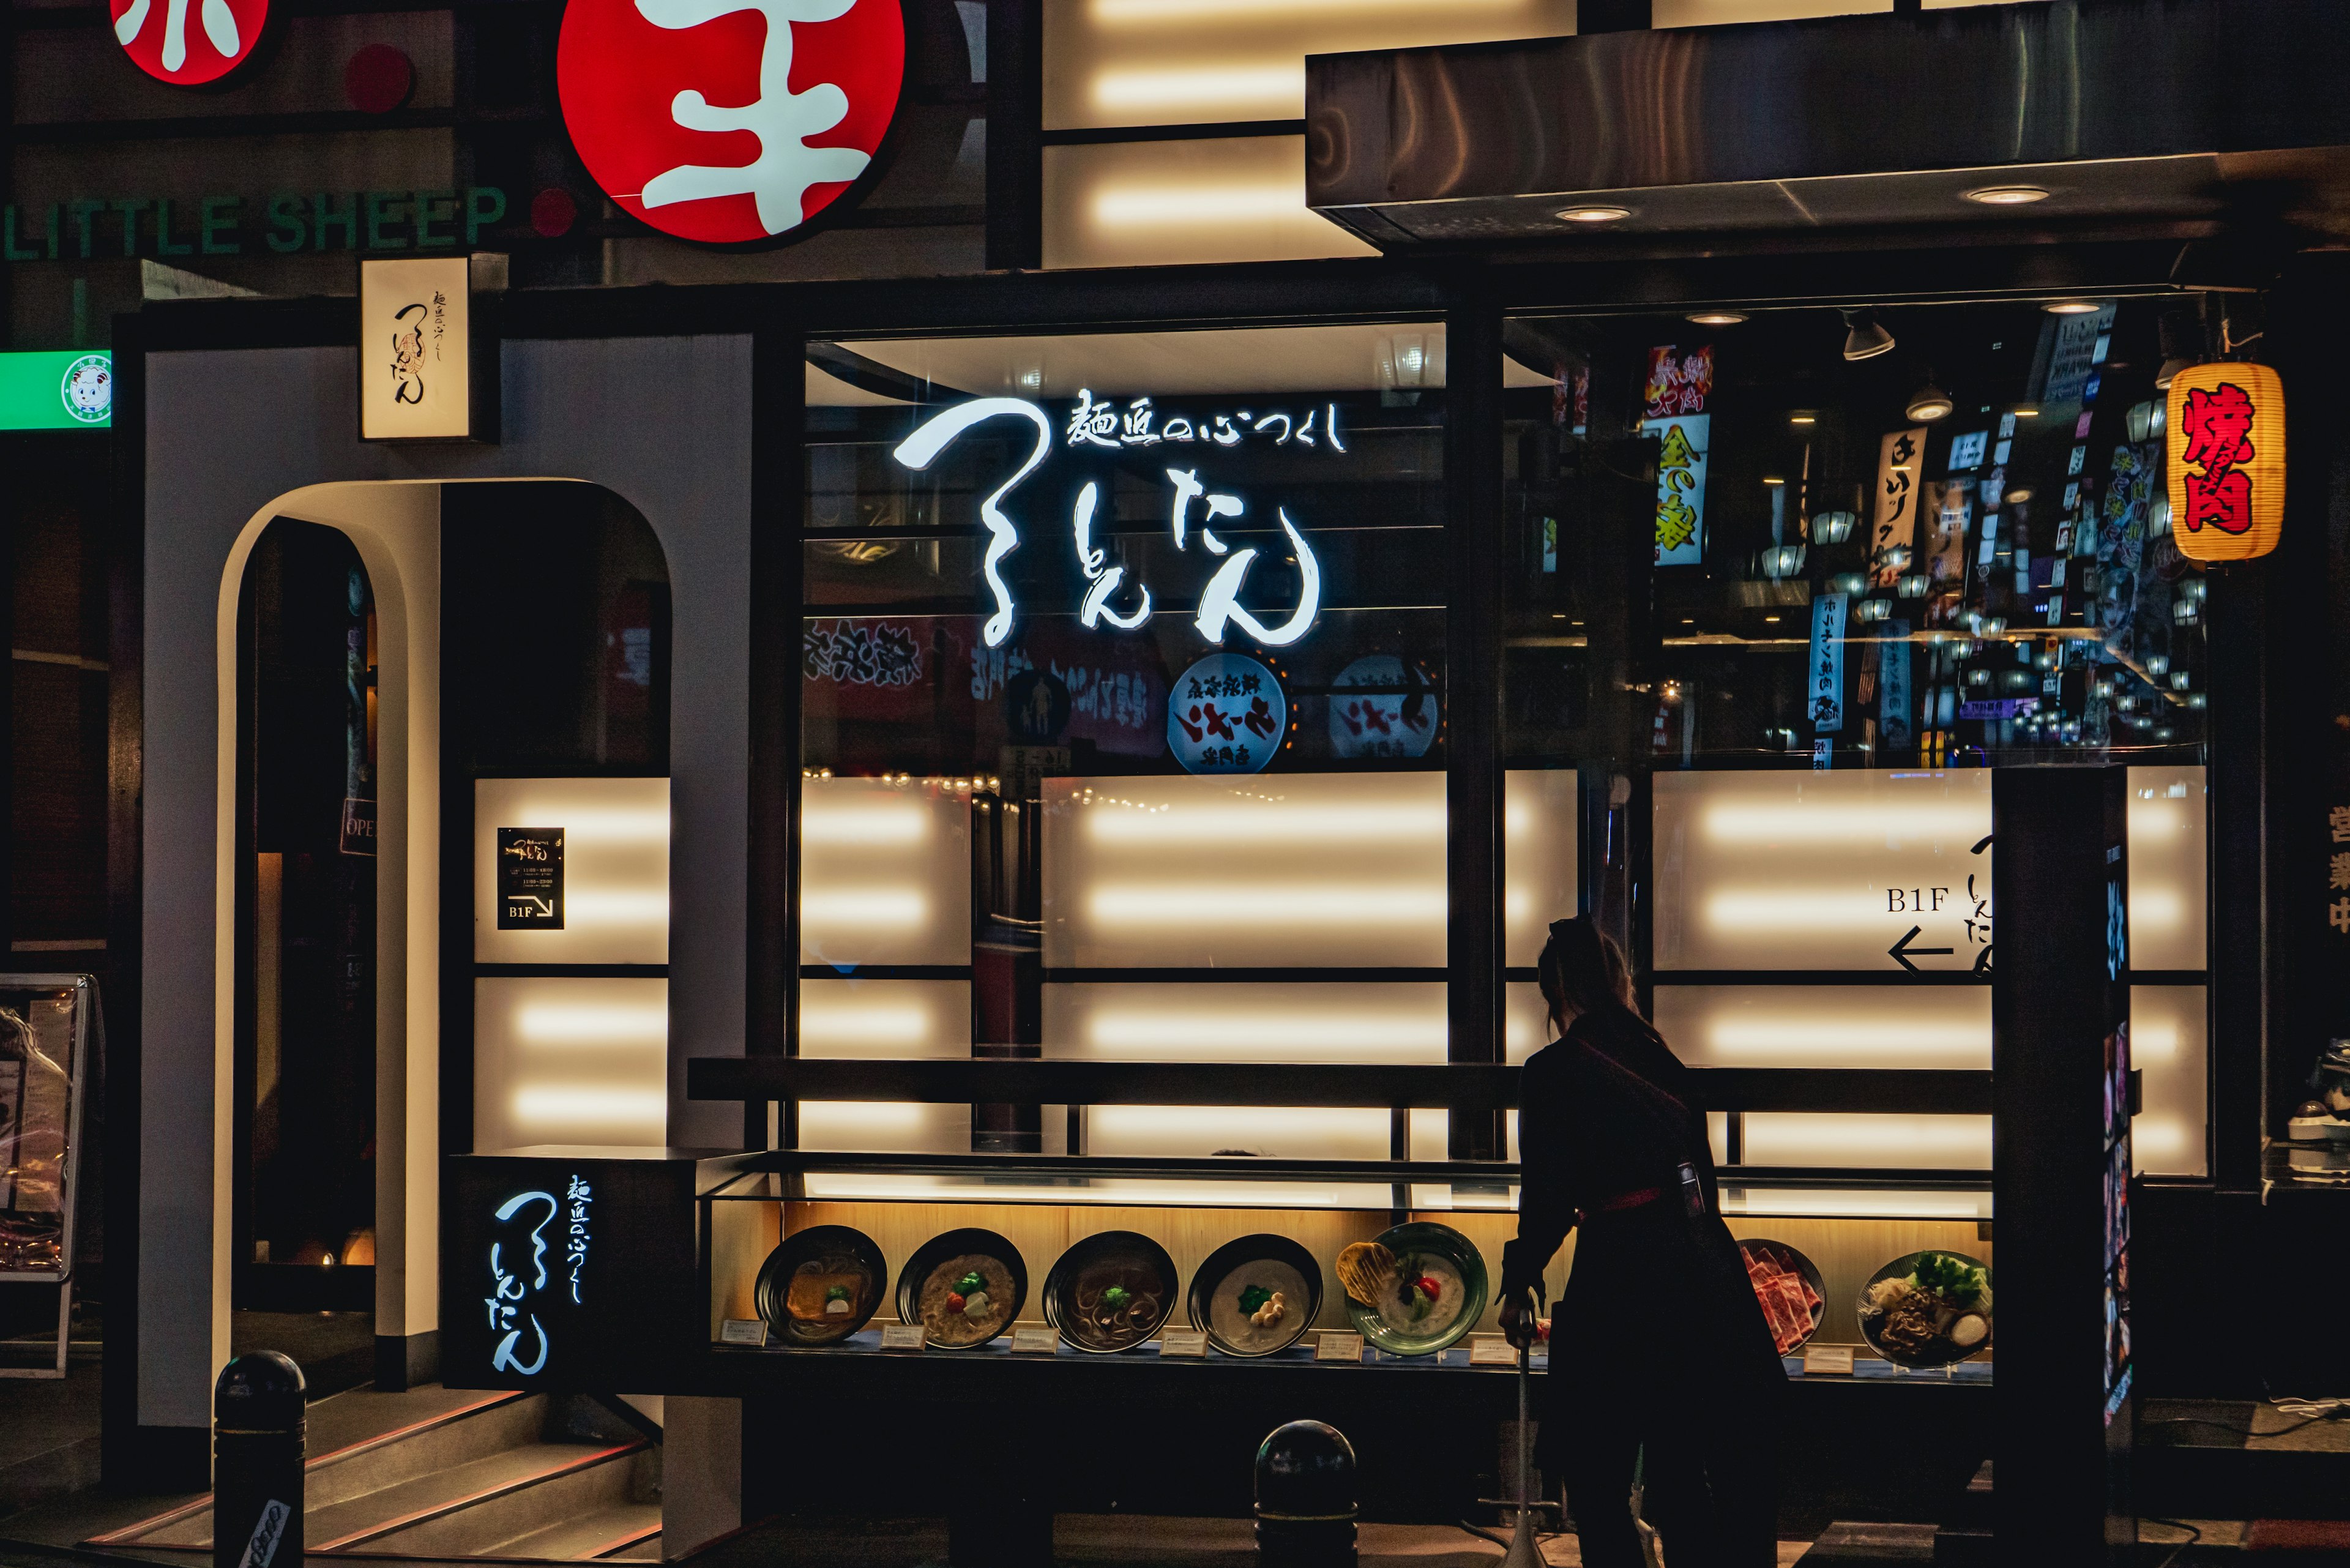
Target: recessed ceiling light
(2070, 306)
(1772, 479)
(2021, 492)
(2027, 411)
(2008, 195)
(1595, 214)
(1717, 317)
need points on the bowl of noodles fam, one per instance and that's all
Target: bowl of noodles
(1111, 1291)
(963, 1287)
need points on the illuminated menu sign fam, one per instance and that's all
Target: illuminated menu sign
(530, 879)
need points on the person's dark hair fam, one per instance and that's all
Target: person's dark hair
(1583, 971)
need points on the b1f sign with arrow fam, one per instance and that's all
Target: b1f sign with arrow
(1841, 871)
(530, 879)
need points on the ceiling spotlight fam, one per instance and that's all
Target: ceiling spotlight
(1595, 214)
(2169, 371)
(1717, 317)
(2008, 195)
(1931, 403)
(2072, 307)
(1863, 339)
(2020, 494)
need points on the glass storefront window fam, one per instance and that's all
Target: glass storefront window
(1124, 680)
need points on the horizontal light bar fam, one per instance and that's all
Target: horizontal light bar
(1170, 206)
(864, 907)
(1776, 911)
(588, 907)
(1861, 1203)
(863, 1024)
(539, 1106)
(2156, 906)
(1224, 1194)
(1220, 1035)
(1757, 826)
(1204, 86)
(1846, 1138)
(862, 1118)
(611, 825)
(1275, 1131)
(576, 1024)
(1131, 12)
(2154, 1137)
(1267, 904)
(1816, 1042)
(1282, 822)
(864, 824)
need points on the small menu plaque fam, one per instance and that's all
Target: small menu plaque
(1191, 1342)
(902, 1336)
(1491, 1350)
(1337, 1346)
(742, 1331)
(1819, 1358)
(530, 879)
(1034, 1342)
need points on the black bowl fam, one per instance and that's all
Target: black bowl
(1231, 1258)
(851, 1251)
(951, 1244)
(1108, 1248)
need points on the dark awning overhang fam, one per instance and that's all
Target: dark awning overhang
(2193, 112)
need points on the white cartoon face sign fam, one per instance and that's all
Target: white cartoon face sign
(728, 121)
(189, 42)
(87, 389)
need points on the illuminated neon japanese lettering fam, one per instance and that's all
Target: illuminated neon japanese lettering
(920, 449)
(1104, 577)
(1220, 602)
(507, 1291)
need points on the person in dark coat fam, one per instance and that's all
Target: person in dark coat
(1658, 1339)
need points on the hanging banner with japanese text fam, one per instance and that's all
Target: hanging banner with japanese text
(1893, 684)
(1895, 534)
(2227, 460)
(1824, 672)
(1673, 409)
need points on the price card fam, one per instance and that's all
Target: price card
(1336, 1346)
(1834, 1358)
(1034, 1342)
(1192, 1342)
(902, 1336)
(1491, 1350)
(742, 1331)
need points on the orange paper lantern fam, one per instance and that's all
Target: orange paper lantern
(2227, 460)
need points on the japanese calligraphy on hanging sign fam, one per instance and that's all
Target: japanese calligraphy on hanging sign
(1673, 409)
(1825, 669)
(2227, 460)
(1893, 684)
(1271, 603)
(416, 349)
(1895, 534)
(1951, 504)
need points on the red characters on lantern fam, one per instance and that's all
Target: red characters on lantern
(2217, 426)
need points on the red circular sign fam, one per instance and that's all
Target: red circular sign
(726, 120)
(189, 42)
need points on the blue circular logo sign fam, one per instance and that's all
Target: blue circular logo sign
(1226, 715)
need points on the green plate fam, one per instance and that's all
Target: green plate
(1437, 1252)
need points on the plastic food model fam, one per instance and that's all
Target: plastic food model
(1264, 1307)
(1416, 1290)
(965, 1300)
(1938, 1311)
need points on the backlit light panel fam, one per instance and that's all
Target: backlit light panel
(1880, 1026)
(1156, 204)
(2169, 1044)
(1879, 1141)
(884, 1019)
(885, 871)
(569, 1061)
(2169, 868)
(616, 837)
(1539, 829)
(1383, 1022)
(1275, 869)
(1822, 870)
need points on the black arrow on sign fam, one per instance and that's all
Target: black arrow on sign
(1902, 950)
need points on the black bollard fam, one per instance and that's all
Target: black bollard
(259, 1428)
(1306, 1498)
